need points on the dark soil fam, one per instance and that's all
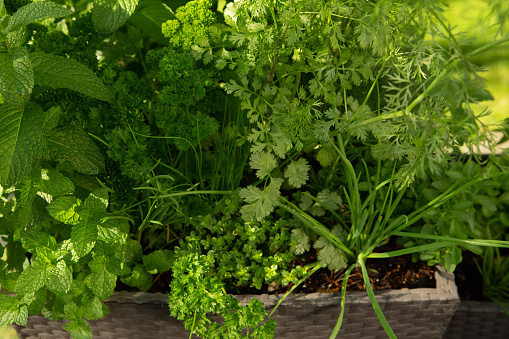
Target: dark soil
(393, 273)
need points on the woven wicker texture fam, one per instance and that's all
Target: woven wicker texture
(409, 312)
(478, 319)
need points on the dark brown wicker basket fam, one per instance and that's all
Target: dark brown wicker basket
(478, 319)
(417, 313)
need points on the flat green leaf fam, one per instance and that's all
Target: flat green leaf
(33, 278)
(23, 73)
(93, 308)
(83, 237)
(485, 202)
(9, 81)
(31, 240)
(59, 72)
(109, 15)
(297, 172)
(149, 17)
(55, 183)
(101, 281)
(260, 203)
(18, 37)
(64, 209)
(21, 135)
(36, 11)
(300, 237)
(60, 279)
(75, 147)
(139, 278)
(51, 118)
(72, 311)
(263, 162)
(79, 329)
(9, 309)
(158, 261)
(113, 230)
(37, 301)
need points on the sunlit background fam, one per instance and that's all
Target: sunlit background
(473, 18)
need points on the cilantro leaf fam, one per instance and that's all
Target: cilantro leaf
(263, 162)
(261, 203)
(297, 172)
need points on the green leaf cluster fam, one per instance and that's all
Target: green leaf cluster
(196, 293)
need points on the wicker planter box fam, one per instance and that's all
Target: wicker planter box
(478, 319)
(410, 313)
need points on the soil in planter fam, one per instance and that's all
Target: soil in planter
(392, 273)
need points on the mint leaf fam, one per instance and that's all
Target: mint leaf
(33, 277)
(109, 15)
(139, 278)
(31, 240)
(21, 135)
(8, 88)
(149, 17)
(64, 209)
(261, 203)
(36, 301)
(93, 308)
(297, 173)
(112, 230)
(83, 237)
(75, 147)
(100, 281)
(36, 11)
(60, 279)
(59, 72)
(23, 73)
(72, 311)
(55, 183)
(79, 329)
(9, 310)
(158, 261)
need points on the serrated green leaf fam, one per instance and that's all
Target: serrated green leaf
(329, 255)
(109, 15)
(59, 72)
(18, 37)
(113, 230)
(300, 237)
(139, 278)
(158, 261)
(38, 299)
(329, 199)
(149, 17)
(55, 183)
(326, 155)
(263, 162)
(31, 240)
(75, 147)
(83, 237)
(33, 278)
(101, 281)
(21, 134)
(23, 73)
(79, 329)
(72, 311)
(51, 118)
(9, 79)
(36, 11)
(64, 209)
(261, 203)
(297, 173)
(60, 279)
(93, 308)
(9, 309)
(97, 201)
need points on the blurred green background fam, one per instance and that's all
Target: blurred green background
(474, 18)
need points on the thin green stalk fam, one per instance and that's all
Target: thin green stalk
(307, 275)
(337, 327)
(373, 300)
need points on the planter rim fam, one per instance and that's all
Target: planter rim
(445, 290)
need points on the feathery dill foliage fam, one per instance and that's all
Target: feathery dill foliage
(307, 70)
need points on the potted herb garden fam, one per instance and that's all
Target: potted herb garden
(205, 149)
